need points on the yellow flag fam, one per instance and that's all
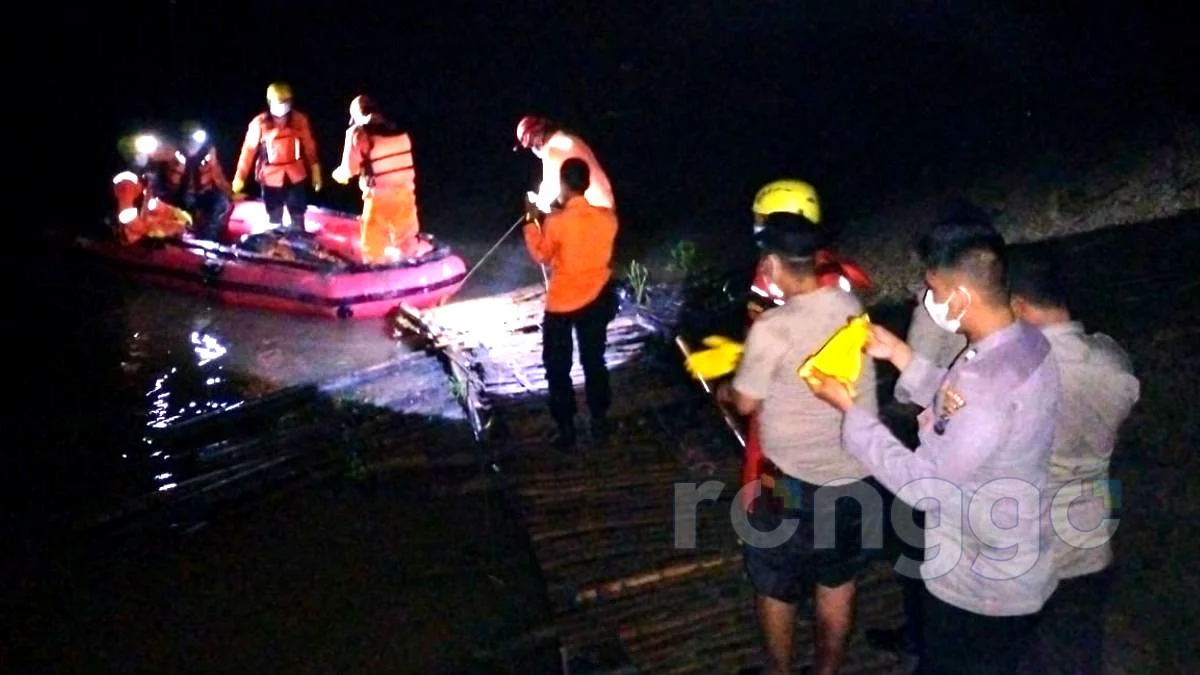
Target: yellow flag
(841, 356)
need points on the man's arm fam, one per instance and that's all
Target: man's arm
(971, 435)
(918, 381)
(308, 144)
(550, 188)
(249, 150)
(540, 240)
(351, 163)
(219, 178)
(760, 358)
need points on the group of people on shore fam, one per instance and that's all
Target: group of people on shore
(998, 514)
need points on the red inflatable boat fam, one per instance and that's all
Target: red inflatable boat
(328, 284)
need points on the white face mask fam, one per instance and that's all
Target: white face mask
(940, 311)
(280, 109)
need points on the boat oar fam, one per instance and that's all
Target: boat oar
(729, 421)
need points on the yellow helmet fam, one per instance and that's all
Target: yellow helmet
(787, 195)
(278, 92)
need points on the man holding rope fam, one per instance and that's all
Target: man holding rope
(576, 241)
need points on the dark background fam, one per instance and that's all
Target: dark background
(690, 105)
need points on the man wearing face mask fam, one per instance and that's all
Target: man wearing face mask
(804, 464)
(982, 461)
(280, 146)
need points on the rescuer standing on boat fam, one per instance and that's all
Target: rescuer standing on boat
(553, 146)
(381, 156)
(576, 241)
(279, 144)
(196, 182)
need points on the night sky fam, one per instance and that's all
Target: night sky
(700, 101)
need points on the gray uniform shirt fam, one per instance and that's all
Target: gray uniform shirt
(800, 433)
(1099, 390)
(984, 464)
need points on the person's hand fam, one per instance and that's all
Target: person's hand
(238, 185)
(882, 343)
(532, 213)
(341, 175)
(831, 391)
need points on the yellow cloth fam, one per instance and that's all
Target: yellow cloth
(840, 357)
(720, 359)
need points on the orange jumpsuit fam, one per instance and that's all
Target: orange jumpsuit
(381, 156)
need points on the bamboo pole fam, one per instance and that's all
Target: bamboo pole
(623, 585)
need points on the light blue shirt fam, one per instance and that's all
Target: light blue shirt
(984, 464)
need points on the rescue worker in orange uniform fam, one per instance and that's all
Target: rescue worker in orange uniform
(141, 215)
(280, 147)
(553, 146)
(196, 182)
(381, 156)
(149, 158)
(576, 241)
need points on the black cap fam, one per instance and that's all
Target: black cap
(791, 235)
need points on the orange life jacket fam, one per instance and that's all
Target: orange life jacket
(281, 150)
(202, 175)
(387, 159)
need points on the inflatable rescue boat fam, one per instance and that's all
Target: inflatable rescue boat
(308, 272)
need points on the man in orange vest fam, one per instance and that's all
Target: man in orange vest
(280, 146)
(196, 182)
(576, 241)
(554, 146)
(381, 156)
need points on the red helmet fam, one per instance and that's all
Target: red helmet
(531, 129)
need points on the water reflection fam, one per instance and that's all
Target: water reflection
(125, 362)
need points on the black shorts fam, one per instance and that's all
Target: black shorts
(827, 547)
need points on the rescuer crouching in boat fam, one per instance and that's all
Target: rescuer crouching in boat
(380, 154)
(148, 158)
(141, 216)
(196, 182)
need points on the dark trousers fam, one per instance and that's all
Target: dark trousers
(211, 213)
(958, 642)
(293, 197)
(589, 325)
(904, 546)
(1070, 636)
(904, 536)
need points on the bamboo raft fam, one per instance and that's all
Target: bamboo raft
(601, 520)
